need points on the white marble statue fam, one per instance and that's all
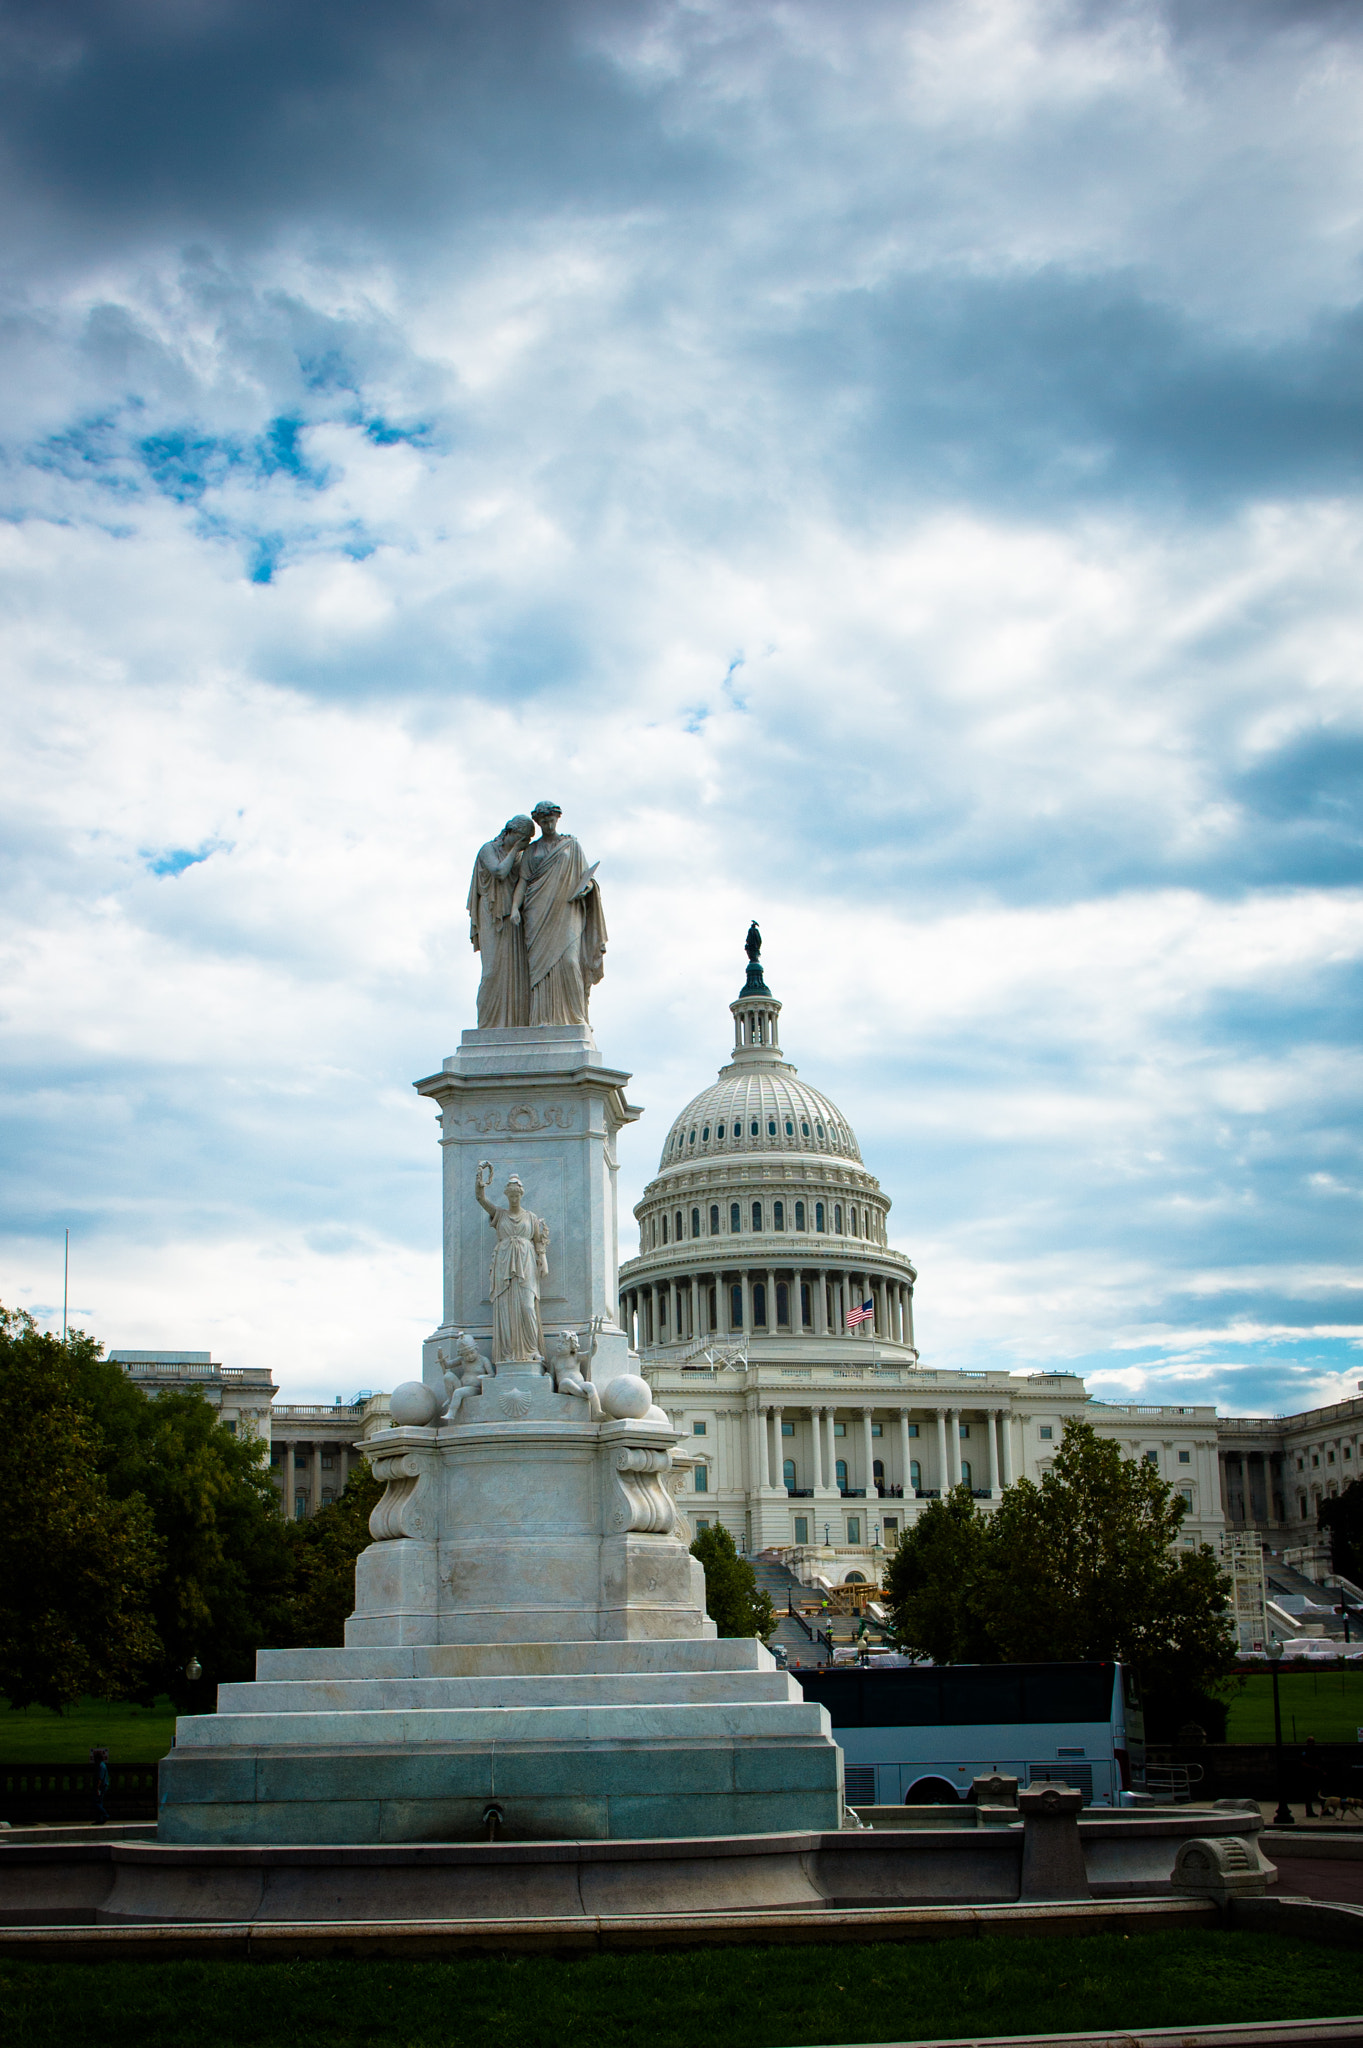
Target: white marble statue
(570, 1363)
(519, 1263)
(559, 902)
(497, 932)
(462, 1374)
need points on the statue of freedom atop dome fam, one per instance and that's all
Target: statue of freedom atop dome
(559, 902)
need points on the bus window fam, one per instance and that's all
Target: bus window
(1068, 1692)
(974, 1694)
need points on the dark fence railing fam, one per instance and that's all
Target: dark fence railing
(31, 1793)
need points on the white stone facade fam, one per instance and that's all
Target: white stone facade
(760, 1231)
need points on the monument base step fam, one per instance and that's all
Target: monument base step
(641, 1791)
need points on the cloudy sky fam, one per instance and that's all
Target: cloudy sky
(892, 469)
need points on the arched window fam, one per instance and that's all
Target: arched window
(680, 1232)
(714, 1219)
(806, 1314)
(965, 1471)
(915, 1474)
(736, 1307)
(695, 1223)
(837, 1219)
(782, 1304)
(735, 1218)
(799, 1215)
(754, 1127)
(878, 1472)
(664, 1230)
(855, 1232)
(788, 1474)
(778, 1215)
(790, 1128)
(818, 1216)
(819, 1129)
(840, 1471)
(804, 1128)
(759, 1305)
(714, 1315)
(705, 1135)
(757, 1215)
(771, 1126)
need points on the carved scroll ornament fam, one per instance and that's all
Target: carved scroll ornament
(407, 1507)
(643, 1499)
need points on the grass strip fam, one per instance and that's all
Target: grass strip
(1326, 1704)
(132, 1735)
(723, 1998)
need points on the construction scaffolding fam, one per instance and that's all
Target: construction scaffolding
(1242, 1558)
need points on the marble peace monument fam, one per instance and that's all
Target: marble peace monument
(529, 1652)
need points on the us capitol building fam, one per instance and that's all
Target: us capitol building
(761, 1234)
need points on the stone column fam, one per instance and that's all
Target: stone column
(832, 1467)
(746, 1283)
(756, 1456)
(990, 1417)
(771, 1302)
(905, 1455)
(908, 1316)
(868, 1453)
(1006, 1432)
(816, 1416)
(777, 1476)
(943, 1469)
(819, 1302)
(287, 1470)
(954, 1434)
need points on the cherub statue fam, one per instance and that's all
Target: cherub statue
(462, 1376)
(570, 1364)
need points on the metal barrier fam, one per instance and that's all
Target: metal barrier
(33, 1793)
(1173, 1781)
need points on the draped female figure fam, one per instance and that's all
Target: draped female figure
(520, 1261)
(504, 991)
(565, 928)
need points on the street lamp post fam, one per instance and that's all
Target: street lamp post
(1284, 1817)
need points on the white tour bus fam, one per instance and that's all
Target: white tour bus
(917, 1734)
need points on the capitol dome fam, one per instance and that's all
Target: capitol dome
(762, 1222)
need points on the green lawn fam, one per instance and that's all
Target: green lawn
(133, 1735)
(1326, 1704)
(726, 1998)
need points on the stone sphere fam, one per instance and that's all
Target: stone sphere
(414, 1405)
(627, 1398)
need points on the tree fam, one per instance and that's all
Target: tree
(78, 1565)
(1085, 1566)
(933, 1583)
(1341, 1519)
(223, 1586)
(733, 1600)
(322, 1591)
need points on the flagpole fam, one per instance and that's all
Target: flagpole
(66, 1274)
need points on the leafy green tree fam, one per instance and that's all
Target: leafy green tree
(1341, 1519)
(733, 1600)
(78, 1564)
(933, 1582)
(323, 1553)
(1085, 1566)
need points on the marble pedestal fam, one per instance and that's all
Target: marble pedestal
(529, 1652)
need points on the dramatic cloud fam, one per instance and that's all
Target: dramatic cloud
(895, 470)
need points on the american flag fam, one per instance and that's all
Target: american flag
(857, 1316)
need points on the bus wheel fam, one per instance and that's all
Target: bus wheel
(932, 1792)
